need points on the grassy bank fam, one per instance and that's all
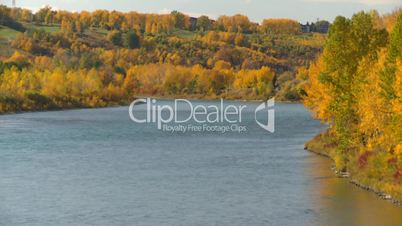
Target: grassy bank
(368, 178)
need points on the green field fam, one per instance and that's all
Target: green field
(183, 34)
(7, 33)
(48, 28)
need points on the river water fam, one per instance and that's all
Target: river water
(97, 167)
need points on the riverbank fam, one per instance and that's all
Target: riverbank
(67, 108)
(126, 103)
(324, 145)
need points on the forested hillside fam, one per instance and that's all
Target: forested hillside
(59, 59)
(356, 87)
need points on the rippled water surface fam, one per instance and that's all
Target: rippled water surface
(96, 167)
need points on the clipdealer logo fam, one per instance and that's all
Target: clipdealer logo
(200, 117)
(269, 108)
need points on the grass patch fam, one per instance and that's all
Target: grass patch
(7, 33)
(184, 34)
(99, 31)
(53, 28)
(322, 144)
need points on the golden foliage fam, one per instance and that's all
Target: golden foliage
(317, 94)
(280, 26)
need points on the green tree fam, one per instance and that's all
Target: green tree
(131, 40)
(203, 23)
(395, 52)
(116, 37)
(179, 19)
(349, 41)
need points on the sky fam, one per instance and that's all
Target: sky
(256, 10)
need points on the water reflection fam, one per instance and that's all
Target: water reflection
(341, 203)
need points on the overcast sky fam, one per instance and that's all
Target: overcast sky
(256, 10)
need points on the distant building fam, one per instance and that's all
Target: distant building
(320, 26)
(305, 28)
(193, 23)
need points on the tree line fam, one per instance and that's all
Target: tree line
(152, 23)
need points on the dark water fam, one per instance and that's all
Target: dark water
(96, 167)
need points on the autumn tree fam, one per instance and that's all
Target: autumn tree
(280, 26)
(44, 15)
(236, 23)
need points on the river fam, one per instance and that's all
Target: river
(97, 167)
